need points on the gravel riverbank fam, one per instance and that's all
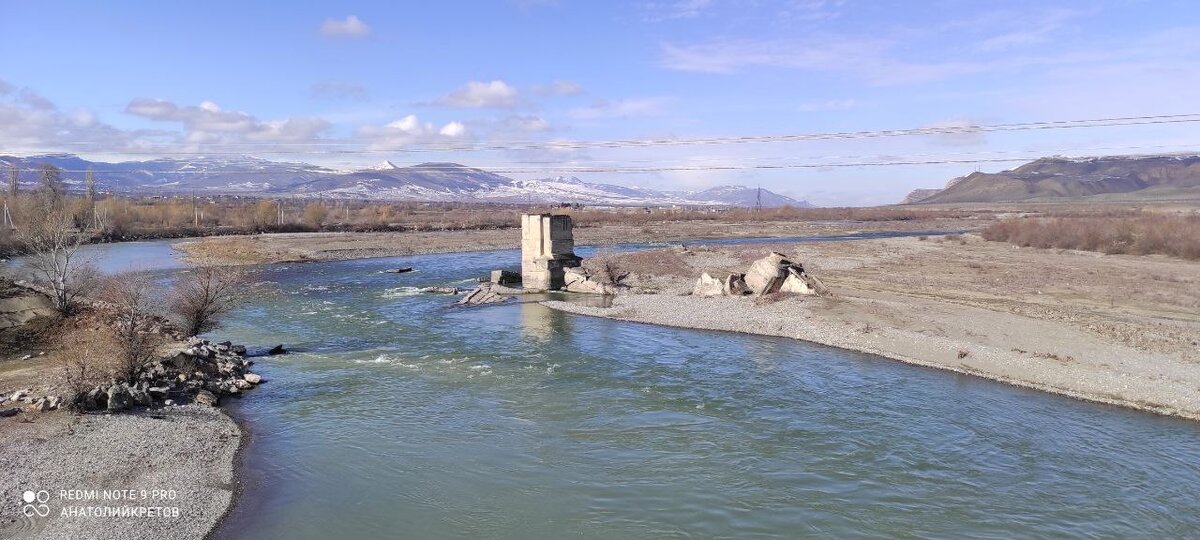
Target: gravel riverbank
(170, 469)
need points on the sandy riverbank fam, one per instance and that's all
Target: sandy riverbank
(297, 247)
(1114, 329)
(189, 449)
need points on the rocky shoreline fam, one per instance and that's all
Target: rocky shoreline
(162, 438)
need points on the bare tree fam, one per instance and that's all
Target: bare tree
(136, 336)
(202, 297)
(55, 261)
(51, 179)
(315, 214)
(90, 182)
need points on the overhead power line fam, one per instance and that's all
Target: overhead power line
(673, 168)
(338, 147)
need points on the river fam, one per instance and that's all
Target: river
(401, 417)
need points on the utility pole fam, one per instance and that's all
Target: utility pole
(90, 182)
(14, 180)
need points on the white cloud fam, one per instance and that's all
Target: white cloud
(208, 122)
(453, 129)
(731, 56)
(625, 108)
(475, 94)
(35, 100)
(350, 27)
(32, 123)
(557, 88)
(411, 131)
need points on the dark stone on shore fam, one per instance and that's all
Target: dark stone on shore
(205, 397)
(278, 349)
(119, 397)
(402, 270)
(5, 413)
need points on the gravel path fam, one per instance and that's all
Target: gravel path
(182, 457)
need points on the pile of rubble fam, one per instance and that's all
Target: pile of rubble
(202, 373)
(774, 273)
(27, 399)
(580, 280)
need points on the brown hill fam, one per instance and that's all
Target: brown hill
(1058, 179)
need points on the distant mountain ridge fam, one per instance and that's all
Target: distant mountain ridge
(1135, 178)
(433, 181)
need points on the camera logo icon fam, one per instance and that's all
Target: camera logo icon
(35, 503)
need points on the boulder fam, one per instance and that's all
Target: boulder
(242, 384)
(12, 411)
(119, 398)
(95, 399)
(505, 277)
(708, 286)
(799, 282)
(735, 285)
(205, 397)
(41, 405)
(576, 280)
(239, 350)
(278, 349)
(55, 402)
(252, 378)
(140, 396)
(767, 274)
(731, 285)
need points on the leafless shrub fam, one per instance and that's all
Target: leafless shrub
(86, 356)
(1136, 234)
(137, 336)
(202, 297)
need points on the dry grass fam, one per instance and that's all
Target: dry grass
(1134, 233)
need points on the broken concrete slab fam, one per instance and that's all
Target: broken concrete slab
(767, 274)
(578, 280)
(483, 294)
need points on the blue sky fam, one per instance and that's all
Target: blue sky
(353, 83)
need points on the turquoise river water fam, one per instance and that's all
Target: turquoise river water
(401, 417)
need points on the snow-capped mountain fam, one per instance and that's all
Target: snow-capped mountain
(385, 181)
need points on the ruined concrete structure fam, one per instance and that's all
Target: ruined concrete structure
(768, 275)
(547, 249)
